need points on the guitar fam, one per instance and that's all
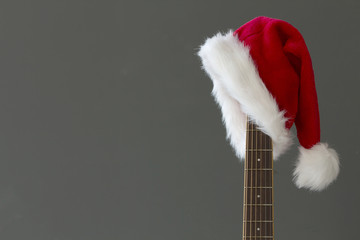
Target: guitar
(258, 211)
(263, 70)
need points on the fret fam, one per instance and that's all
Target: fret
(259, 169)
(258, 150)
(258, 221)
(252, 237)
(269, 204)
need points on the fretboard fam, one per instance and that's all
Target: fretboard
(258, 221)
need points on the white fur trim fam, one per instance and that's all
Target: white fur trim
(317, 167)
(239, 91)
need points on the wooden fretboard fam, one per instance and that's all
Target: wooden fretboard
(258, 221)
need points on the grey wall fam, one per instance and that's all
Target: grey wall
(108, 129)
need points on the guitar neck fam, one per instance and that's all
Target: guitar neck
(258, 221)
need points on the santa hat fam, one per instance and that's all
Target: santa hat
(263, 70)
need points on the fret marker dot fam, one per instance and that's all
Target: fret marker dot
(258, 229)
(258, 196)
(258, 159)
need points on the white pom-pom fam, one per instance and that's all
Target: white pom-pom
(317, 167)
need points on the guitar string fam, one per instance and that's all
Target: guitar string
(266, 177)
(254, 182)
(260, 193)
(251, 180)
(256, 179)
(245, 180)
(272, 189)
(269, 161)
(265, 165)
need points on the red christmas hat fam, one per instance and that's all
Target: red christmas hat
(263, 70)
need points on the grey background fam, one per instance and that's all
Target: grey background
(108, 129)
